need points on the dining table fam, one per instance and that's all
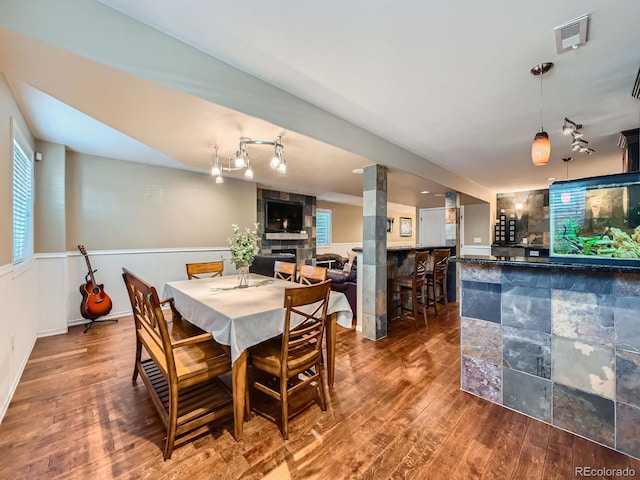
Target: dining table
(244, 317)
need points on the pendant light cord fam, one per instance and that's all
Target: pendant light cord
(541, 73)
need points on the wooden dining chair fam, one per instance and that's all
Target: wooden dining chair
(309, 274)
(204, 269)
(437, 280)
(182, 372)
(414, 286)
(284, 270)
(295, 357)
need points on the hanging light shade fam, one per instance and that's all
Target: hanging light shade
(239, 162)
(541, 147)
(248, 173)
(215, 166)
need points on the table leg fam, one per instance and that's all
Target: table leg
(331, 347)
(239, 380)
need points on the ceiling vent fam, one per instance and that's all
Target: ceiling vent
(572, 34)
(623, 139)
(635, 93)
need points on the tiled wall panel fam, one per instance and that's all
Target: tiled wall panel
(562, 346)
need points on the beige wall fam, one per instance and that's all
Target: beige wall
(477, 224)
(347, 223)
(113, 204)
(49, 212)
(394, 237)
(8, 110)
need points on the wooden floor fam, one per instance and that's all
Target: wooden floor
(395, 411)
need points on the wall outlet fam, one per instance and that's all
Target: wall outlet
(525, 241)
(477, 240)
(13, 342)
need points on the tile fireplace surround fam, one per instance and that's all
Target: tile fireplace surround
(303, 246)
(559, 343)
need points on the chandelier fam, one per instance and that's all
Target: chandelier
(242, 160)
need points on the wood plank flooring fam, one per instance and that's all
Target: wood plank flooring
(395, 411)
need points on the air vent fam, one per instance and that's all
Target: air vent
(572, 34)
(635, 93)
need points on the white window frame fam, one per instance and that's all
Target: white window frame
(330, 213)
(26, 260)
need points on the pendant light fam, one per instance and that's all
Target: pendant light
(541, 147)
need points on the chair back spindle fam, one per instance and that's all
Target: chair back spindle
(204, 269)
(284, 270)
(310, 274)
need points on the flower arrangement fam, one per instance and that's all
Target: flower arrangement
(243, 246)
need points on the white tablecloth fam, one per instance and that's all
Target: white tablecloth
(241, 317)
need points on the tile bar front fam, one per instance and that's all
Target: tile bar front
(557, 342)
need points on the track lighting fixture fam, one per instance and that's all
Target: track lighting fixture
(579, 145)
(241, 159)
(570, 127)
(577, 142)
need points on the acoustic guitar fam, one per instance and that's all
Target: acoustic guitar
(95, 302)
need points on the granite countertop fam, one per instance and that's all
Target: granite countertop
(404, 248)
(537, 262)
(531, 246)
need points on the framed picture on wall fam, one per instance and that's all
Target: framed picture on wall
(405, 227)
(389, 225)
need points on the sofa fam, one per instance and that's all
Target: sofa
(263, 264)
(336, 261)
(346, 282)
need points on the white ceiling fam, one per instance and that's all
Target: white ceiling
(448, 81)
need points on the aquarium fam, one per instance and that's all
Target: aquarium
(596, 220)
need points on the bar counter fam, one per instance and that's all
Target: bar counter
(559, 342)
(397, 264)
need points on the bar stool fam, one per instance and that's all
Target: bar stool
(437, 280)
(414, 286)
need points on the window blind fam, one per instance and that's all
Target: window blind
(323, 228)
(22, 202)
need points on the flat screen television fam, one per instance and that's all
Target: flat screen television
(283, 217)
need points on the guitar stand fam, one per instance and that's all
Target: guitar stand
(90, 324)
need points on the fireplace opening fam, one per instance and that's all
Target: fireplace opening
(284, 251)
(290, 254)
(263, 263)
